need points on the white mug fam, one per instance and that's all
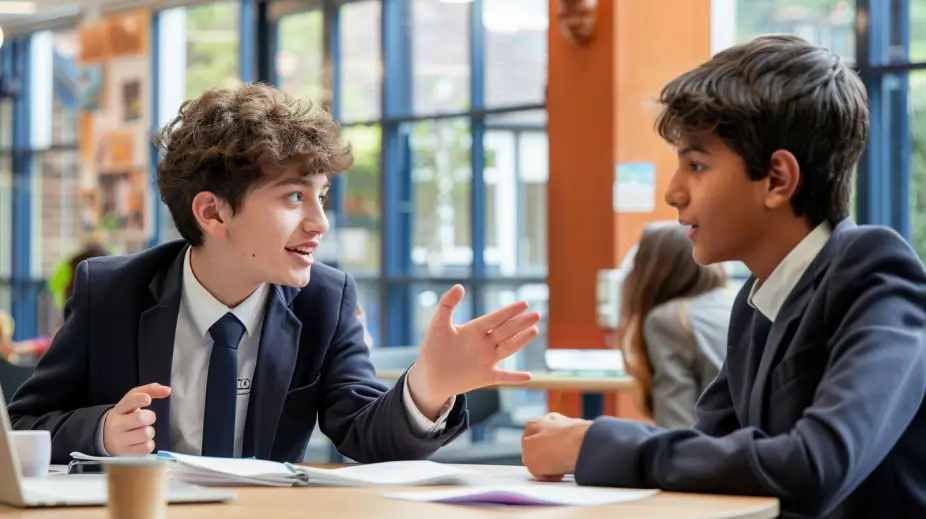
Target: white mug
(33, 448)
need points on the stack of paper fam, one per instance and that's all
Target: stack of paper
(528, 495)
(208, 471)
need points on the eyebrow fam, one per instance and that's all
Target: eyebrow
(692, 148)
(300, 181)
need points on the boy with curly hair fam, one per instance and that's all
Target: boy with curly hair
(820, 399)
(218, 344)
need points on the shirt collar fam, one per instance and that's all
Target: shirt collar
(205, 309)
(769, 297)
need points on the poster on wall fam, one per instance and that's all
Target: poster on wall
(115, 99)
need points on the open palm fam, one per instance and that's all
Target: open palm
(455, 359)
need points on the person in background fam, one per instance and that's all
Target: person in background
(674, 316)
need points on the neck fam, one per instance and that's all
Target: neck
(220, 280)
(772, 248)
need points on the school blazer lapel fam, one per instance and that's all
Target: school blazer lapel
(276, 362)
(784, 326)
(156, 330)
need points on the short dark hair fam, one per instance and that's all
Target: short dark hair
(778, 92)
(232, 140)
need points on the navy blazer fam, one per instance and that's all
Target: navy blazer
(312, 362)
(822, 409)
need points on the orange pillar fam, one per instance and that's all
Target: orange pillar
(601, 110)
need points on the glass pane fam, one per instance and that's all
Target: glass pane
(515, 176)
(917, 24)
(440, 49)
(300, 58)
(830, 23)
(360, 92)
(56, 231)
(516, 51)
(358, 233)
(65, 111)
(6, 123)
(426, 297)
(917, 112)
(369, 313)
(441, 182)
(6, 217)
(524, 404)
(213, 46)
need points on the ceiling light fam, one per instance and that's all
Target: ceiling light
(17, 7)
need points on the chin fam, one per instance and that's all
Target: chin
(299, 279)
(703, 257)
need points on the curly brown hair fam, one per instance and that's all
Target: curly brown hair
(231, 141)
(772, 93)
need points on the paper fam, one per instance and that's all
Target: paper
(405, 473)
(529, 495)
(209, 471)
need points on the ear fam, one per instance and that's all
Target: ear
(212, 214)
(783, 180)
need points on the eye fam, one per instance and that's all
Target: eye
(294, 197)
(696, 167)
(323, 199)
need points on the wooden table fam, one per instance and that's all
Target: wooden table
(591, 387)
(552, 382)
(304, 503)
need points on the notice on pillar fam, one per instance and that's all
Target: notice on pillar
(635, 187)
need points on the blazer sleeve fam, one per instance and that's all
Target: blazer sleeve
(366, 421)
(55, 396)
(873, 385)
(671, 355)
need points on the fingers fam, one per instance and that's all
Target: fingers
(516, 343)
(511, 328)
(138, 436)
(497, 318)
(503, 376)
(131, 402)
(447, 304)
(154, 390)
(138, 450)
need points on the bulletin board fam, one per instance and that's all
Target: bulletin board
(114, 95)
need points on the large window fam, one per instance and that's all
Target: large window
(445, 112)
(199, 48)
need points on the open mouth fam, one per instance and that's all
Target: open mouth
(303, 251)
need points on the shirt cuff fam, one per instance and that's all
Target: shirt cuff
(420, 423)
(99, 435)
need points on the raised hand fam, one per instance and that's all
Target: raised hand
(128, 428)
(455, 359)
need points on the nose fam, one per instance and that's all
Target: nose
(676, 195)
(316, 221)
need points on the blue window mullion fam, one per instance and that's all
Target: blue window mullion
(396, 178)
(886, 40)
(25, 292)
(155, 47)
(477, 153)
(332, 83)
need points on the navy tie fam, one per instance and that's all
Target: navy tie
(222, 388)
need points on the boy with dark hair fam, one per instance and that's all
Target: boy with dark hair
(819, 401)
(219, 345)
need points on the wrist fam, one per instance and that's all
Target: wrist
(429, 401)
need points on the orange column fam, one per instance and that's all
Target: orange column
(601, 109)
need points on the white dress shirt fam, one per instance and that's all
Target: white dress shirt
(769, 297)
(199, 310)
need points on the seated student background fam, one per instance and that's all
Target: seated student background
(819, 401)
(219, 344)
(674, 324)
